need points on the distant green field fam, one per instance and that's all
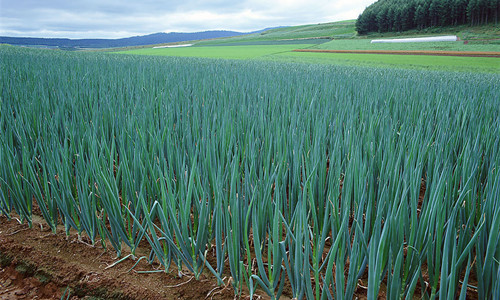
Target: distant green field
(298, 42)
(449, 63)
(365, 44)
(284, 53)
(226, 52)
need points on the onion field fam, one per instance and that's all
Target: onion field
(286, 179)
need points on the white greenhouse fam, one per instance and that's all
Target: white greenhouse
(446, 38)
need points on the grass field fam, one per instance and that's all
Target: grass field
(421, 62)
(226, 52)
(365, 44)
(298, 42)
(284, 53)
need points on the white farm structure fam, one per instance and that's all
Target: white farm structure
(446, 38)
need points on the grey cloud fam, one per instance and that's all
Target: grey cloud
(114, 18)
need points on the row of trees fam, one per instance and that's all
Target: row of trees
(401, 15)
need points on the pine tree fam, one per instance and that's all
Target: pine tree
(496, 9)
(420, 17)
(382, 20)
(472, 12)
(435, 12)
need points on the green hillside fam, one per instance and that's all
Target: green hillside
(325, 31)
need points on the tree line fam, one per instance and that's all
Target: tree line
(401, 15)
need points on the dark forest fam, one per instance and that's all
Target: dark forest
(402, 15)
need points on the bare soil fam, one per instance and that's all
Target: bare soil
(409, 52)
(36, 264)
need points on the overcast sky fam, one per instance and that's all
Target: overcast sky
(124, 18)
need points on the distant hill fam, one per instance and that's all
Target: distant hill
(150, 39)
(331, 30)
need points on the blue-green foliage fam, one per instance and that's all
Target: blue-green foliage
(323, 175)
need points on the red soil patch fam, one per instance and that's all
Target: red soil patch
(409, 52)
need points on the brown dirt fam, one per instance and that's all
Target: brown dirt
(36, 264)
(409, 52)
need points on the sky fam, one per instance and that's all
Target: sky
(125, 18)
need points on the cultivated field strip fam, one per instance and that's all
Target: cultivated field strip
(410, 52)
(320, 181)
